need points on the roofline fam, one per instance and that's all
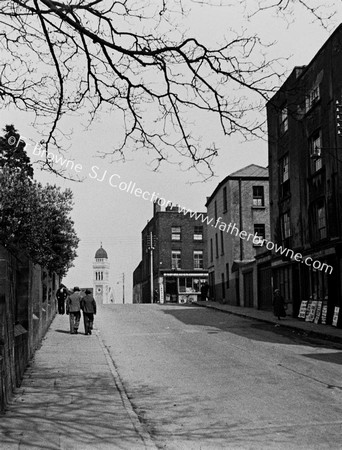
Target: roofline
(235, 178)
(153, 218)
(307, 66)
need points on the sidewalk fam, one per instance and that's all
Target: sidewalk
(307, 328)
(71, 398)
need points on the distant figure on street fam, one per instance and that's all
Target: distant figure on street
(278, 305)
(61, 295)
(88, 306)
(204, 291)
(73, 308)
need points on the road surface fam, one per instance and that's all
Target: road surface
(202, 379)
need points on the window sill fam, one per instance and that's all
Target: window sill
(258, 207)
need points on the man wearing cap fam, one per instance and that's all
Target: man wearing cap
(88, 306)
(73, 308)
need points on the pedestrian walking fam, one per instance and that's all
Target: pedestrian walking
(73, 308)
(278, 305)
(61, 295)
(88, 306)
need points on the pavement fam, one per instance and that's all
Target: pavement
(310, 329)
(71, 398)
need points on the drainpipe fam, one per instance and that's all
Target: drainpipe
(241, 221)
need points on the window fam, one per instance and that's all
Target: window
(223, 287)
(318, 221)
(217, 246)
(285, 226)
(259, 230)
(211, 250)
(198, 233)
(312, 98)
(215, 206)
(225, 204)
(284, 169)
(198, 259)
(222, 243)
(175, 233)
(284, 176)
(284, 120)
(315, 152)
(176, 259)
(186, 284)
(227, 275)
(258, 196)
(321, 221)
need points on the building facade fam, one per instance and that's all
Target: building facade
(239, 213)
(174, 255)
(305, 179)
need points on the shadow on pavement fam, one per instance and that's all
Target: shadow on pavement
(335, 358)
(219, 322)
(56, 409)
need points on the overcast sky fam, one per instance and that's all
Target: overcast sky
(115, 218)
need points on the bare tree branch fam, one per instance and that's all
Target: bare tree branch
(89, 56)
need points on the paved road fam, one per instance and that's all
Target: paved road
(201, 379)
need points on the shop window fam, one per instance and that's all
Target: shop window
(186, 284)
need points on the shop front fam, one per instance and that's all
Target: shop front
(181, 287)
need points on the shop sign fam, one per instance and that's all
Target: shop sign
(335, 317)
(302, 311)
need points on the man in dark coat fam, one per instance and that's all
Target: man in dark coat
(61, 295)
(204, 291)
(88, 306)
(73, 308)
(278, 304)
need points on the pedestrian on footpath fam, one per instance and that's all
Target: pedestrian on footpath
(278, 305)
(88, 306)
(73, 308)
(204, 292)
(61, 295)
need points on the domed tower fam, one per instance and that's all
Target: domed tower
(101, 276)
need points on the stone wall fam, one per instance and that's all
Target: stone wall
(27, 307)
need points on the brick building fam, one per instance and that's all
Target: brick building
(238, 204)
(177, 245)
(305, 179)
